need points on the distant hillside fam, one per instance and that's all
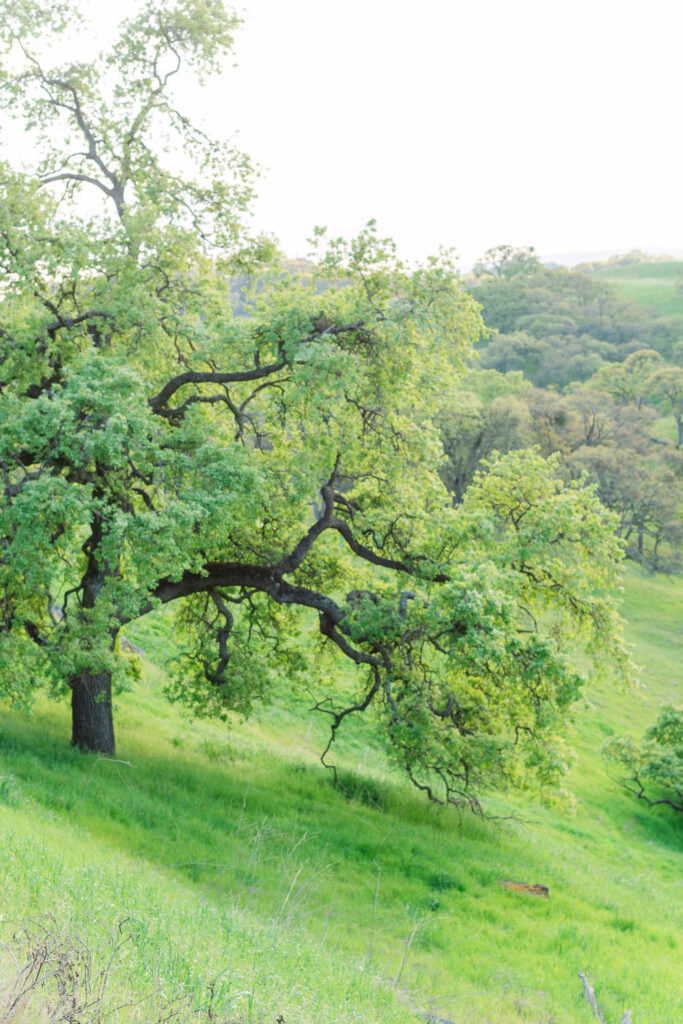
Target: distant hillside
(574, 259)
(653, 284)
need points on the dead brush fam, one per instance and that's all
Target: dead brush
(48, 976)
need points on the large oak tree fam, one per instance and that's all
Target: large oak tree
(181, 423)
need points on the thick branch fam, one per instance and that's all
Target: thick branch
(297, 556)
(408, 565)
(159, 401)
(327, 628)
(650, 801)
(239, 574)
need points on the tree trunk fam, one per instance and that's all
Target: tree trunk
(92, 722)
(91, 712)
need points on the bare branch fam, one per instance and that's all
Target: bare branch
(48, 179)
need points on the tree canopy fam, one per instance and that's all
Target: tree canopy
(184, 422)
(559, 325)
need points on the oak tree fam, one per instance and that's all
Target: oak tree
(183, 423)
(665, 386)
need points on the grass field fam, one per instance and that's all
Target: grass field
(217, 875)
(651, 284)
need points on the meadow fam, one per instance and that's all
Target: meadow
(651, 284)
(213, 873)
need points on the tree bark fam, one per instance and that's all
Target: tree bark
(91, 712)
(92, 722)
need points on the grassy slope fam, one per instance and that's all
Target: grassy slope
(654, 285)
(231, 854)
(651, 284)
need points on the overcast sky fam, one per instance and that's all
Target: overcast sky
(464, 123)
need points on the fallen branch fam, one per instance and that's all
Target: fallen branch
(533, 889)
(590, 996)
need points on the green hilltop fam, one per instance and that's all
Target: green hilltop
(657, 284)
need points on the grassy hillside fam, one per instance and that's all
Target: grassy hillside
(232, 877)
(651, 284)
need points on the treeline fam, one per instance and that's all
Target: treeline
(572, 367)
(560, 326)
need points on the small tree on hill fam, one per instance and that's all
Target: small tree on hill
(653, 769)
(255, 469)
(507, 261)
(666, 387)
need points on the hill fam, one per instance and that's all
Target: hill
(650, 284)
(222, 870)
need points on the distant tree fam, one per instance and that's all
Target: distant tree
(563, 423)
(572, 313)
(652, 770)
(463, 430)
(518, 351)
(490, 384)
(507, 261)
(595, 360)
(505, 301)
(550, 419)
(508, 423)
(665, 387)
(608, 441)
(635, 256)
(472, 429)
(590, 418)
(627, 381)
(572, 359)
(646, 496)
(668, 334)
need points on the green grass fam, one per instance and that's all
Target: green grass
(227, 857)
(651, 284)
(665, 429)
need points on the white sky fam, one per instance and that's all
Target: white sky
(466, 123)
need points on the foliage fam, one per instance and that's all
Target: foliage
(487, 412)
(647, 501)
(653, 769)
(627, 382)
(507, 261)
(257, 458)
(665, 385)
(598, 433)
(635, 258)
(559, 326)
(610, 360)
